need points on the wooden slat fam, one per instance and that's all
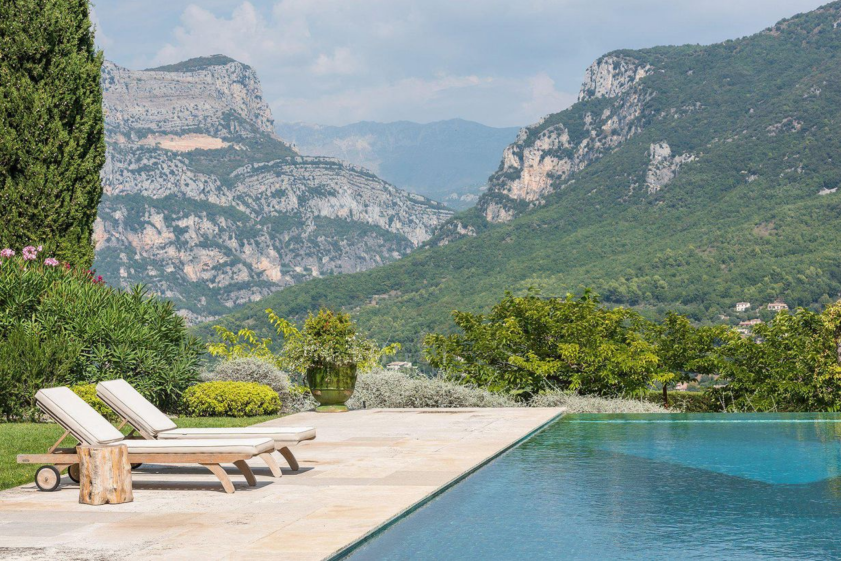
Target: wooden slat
(180, 458)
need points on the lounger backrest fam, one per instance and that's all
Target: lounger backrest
(70, 411)
(133, 407)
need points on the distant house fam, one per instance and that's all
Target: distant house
(777, 306)
(746, 327)
(398, 365)
(742, 306)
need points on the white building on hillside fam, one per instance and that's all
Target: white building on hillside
(777, 306)
(742, 306)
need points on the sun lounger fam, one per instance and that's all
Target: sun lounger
(89, 427)
(151, 423)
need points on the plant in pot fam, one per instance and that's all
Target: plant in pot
(330, 353)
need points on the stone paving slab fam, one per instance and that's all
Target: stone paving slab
(364, 468)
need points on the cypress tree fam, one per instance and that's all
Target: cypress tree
(52, 140)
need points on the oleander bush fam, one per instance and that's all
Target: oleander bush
(399, 389)
(230, 399)
(61, 325)
(88, 393)
(29, 361)
(575, 403)
(293, 397)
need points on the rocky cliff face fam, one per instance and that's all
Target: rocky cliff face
(206, 206)
(611, 106)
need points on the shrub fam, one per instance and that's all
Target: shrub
(399, 389)
(230, 399)
(30, 361)
(100, 332)
(88, 393)
(293, 398)
(575, 403)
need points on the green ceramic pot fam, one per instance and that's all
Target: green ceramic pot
(331, 386)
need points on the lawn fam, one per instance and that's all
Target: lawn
(32, 438)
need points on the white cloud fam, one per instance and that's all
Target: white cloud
(545, 98)
(102, 40)
(342, 62)
(494, 61)
(245, 36)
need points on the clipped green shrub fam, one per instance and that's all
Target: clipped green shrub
(293, 398)
(101, 333)
(381, 388)
(230, 399)
(88, 393)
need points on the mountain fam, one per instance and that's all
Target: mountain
(206, 205)
(448, 161)
(687, 178)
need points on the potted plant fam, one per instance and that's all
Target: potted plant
(330, 353)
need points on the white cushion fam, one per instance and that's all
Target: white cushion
(74, 414)
(132, 406)
(244, 446)
(282, 436)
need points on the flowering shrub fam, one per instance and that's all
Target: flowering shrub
(84, 331)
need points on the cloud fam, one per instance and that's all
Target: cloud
(494, 61)
(102, 40)
(245, 36)
(342, 61)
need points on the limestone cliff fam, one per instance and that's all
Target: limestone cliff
(205, 205)
(550, 151)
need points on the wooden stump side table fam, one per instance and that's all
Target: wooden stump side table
(104, 475)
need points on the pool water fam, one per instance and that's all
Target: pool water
(641, 487)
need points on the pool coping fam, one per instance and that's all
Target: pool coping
(373, 533)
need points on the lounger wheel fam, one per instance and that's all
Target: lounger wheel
(135, 466)
(48, 478)
(73, 473)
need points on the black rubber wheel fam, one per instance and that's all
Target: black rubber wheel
(135, 466)
(73, 473)
(48, 478)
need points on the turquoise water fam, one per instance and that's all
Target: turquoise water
(641, 487)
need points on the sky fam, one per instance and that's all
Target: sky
(498, 62)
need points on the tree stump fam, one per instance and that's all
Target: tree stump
(104, 475)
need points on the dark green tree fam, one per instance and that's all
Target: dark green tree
(52, 140)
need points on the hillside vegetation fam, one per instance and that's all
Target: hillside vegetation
(747, 210)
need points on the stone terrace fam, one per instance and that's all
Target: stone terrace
(364, 468)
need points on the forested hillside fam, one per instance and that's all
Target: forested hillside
(685, 178)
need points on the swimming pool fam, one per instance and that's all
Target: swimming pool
(641, 487)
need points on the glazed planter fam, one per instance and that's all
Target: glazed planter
(331, 386)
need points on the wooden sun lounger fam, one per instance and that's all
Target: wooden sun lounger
(87, 426)
(152, 424)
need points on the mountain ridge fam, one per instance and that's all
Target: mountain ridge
(207, 206)
(447, 160)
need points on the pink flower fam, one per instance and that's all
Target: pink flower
(51, 262)
(40, 248)
(6, 253)
(29, 253)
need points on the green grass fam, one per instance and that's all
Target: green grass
(36, 438)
